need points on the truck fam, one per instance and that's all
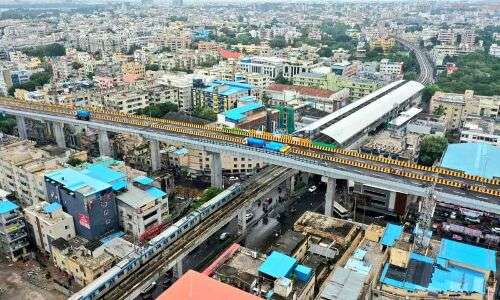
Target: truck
(83, 114)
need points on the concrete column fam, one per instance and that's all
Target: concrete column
(178, 269)
(21, 127)
(331, 185)
(104, 147)
(154, 147)
(59, 134)
(242, 222)
(216, 169)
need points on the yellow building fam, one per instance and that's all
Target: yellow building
(386, 43)
(133, 69)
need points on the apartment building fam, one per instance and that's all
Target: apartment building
(86, 260)
(391, 68)
(14, 242)
(47, 222)
(495, 50)
(385, 43)
(480, 129)
(295, 95)
(455, 108)
(142, 207)
(23, 166)
(358, 87)
(270, 66)
(221, 95)
(127, 100)
(133, 71)
(180, 90)
(447, 36)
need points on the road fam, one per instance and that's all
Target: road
(426, 69)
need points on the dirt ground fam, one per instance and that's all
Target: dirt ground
(26, 281)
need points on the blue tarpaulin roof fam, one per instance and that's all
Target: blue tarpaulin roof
(51, 207)
(77, 181)
(156, 193)
(278, 265)
(238, 113)
(473, 158)
(466, 254)
(7, 206)
(144, 180)
(392, 232)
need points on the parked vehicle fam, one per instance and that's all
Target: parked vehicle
(312, 188)
(83, 114)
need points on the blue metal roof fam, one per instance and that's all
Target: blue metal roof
(227, 88)
(100, 172)
(466, 254)
(144, 180)
(156, 193)
(239, 113)
(51, 207)
(181, 151)
(392, 232)
(7, 206)
(278, 265)
(78, 182)
(473, 158)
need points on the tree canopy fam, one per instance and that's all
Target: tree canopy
(37, 79)
(50, 50)
(204, 112)
(159, 110)
(207, 195)
(7, 124)
(431, 149)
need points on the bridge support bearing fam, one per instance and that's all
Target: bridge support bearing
(154, 147)
(216, 170)
(104, 147)
(331, 185)
(58, 130)
(21, 127)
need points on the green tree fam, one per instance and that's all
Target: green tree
(152, 67)
(325, 52)
(439, 111)
(281, 79)
(278, 42)
(431, 149)
(159, 110)
(204, 112)
(206, 196)
(74, 161)
(428, 92)
(51, 50)
(76, 65)
(7, 124)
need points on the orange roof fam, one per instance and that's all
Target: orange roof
(229, 54)
(196, 286)
(303, 90)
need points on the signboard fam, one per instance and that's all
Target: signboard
(84, 220)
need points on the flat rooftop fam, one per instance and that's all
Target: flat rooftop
(473, 158)
(78, 182)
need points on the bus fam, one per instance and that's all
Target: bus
(340, 210)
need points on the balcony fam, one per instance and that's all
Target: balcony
(18, 245)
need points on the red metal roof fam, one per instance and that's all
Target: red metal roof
(196, 286)
(226, 54)
(303, 90)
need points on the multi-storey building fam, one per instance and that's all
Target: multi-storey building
(220, 95)
(180, 90)
(391, 67)
(495, 50)
(477, 129)
(142, 207)
(448, 36)
(23, 166)
(88, 196)
(270, 66)
(48, 222)
(455, 108)
(19, 77)
(358, 87)
(133, 71)
(385, 43)
(250, 116)
(14, 243)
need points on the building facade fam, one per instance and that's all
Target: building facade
(14, 242)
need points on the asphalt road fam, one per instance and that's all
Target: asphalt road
(426, 69)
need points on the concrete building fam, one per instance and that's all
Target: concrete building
(270, 66)
(448, 36)
(132, 71)
(220, 95)
(455, 108)
(477, 129)
(294, 95)
(84, 261)
(391, 68)
(19, 77)
(385, 43)
(277, 276)
(88, 196)
(357, 87)
(47, 222)
(180, 90)
(250, 116)
(23, 166)
(14, 242)
(495, 50)
(142, 207)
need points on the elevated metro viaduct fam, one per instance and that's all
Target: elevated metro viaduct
(315, 163)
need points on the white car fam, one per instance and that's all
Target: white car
(312, 189)
(223, 236)
(495, 229)
(248, 216)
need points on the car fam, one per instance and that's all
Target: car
(472, 220)
(495, 229)
(453, 215)
(248, 216)
(233, 178)
(312, 188)
(223, 236)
